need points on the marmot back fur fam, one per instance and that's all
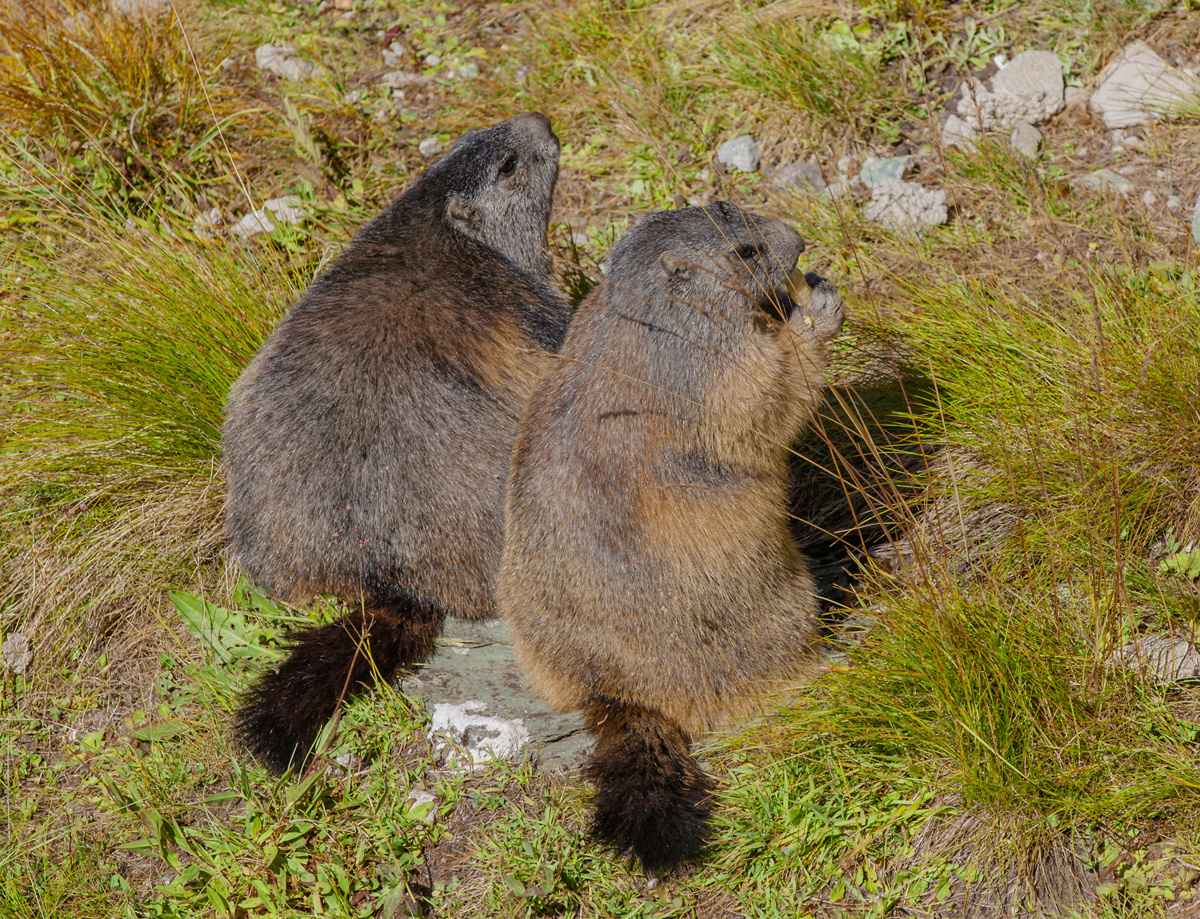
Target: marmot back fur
(367, 444)
(649, 573)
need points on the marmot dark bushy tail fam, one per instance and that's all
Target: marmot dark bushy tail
(367, 444)
(652, 797)
(284, 712)
(649, 575)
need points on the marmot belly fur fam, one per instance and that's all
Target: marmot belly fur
(649, 574)
(367, 444)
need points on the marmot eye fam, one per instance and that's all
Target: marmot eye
(509, 166)
(746, 252)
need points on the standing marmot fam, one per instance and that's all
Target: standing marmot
(367, 445)
(649, 574)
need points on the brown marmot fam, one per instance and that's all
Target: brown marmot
(367, 444)
(649, 575)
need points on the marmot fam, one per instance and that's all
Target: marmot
(367, 444)
(649, 574)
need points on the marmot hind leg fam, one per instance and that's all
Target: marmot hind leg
(282, 714)
(652, 797)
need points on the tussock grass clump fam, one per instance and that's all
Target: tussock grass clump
(990, 680)
(121, 90)
(829, 78)
(121, 358)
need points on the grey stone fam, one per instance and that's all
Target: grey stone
(1139, 87)
(1174, 204)
(957, 133)
(253, 224)
(1026, 139)
(79, 24)
(1029, 90)
(398, 79)
(906, 205)
(1033, 73)
(17, 652)
(877, 169)
(741, 154)
(286, 210)
(1161, 658)
(475, 662)
(1196, 223)
(800, 176)
(1071, 93)
(1104, 180)
(144, 9)
(1149, 198)
(430, 146)
(839, 187)
(281, 61)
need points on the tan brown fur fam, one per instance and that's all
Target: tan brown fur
(648, 561)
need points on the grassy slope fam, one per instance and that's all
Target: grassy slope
(978, 745)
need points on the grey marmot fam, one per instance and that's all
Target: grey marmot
(649, 574)
(367, 444)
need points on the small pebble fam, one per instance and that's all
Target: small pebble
(1148, 198)
(430, 146)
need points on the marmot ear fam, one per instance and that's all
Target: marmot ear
(675, 266)
(463, 215)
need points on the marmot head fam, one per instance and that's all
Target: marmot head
(699, 256)
(496, 186)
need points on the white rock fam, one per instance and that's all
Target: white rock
(838, 187)
(17, 652)
(397, 79)
(286, 210)
(418, 798)
(1026, 139)
(1174, 204)
(1149, 198)
(78, 24)
(430, 146)
(457, 732)
(906, 205)
(741, 153)
(209, 218)
(433, 60)
(253, 224)
(1033, 74)
(1161, 659)
(281, 61)
(957, 133)
(986, 110)
(1139, 87)
(1071, 93)
(145, 9)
